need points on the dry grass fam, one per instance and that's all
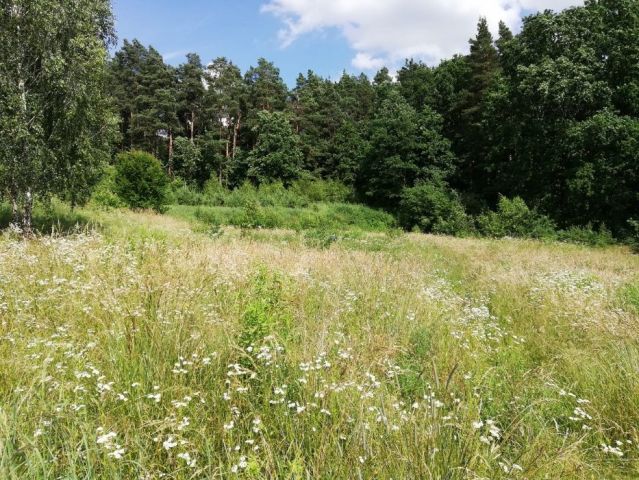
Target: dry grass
(150, 351)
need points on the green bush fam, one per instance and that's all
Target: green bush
(181, 193)
(276, 195)
(634, 238)
(214, 193)
(301, 194)
(328, 191)
(104, 195)
(140, 181)
(513, 218)
(330, 217)
(433, 208)
(587, 236)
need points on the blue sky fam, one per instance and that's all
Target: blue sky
(327, 36)
(236, 30)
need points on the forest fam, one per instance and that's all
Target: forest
(529, 133)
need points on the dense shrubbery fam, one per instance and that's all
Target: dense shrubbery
(634, 238)
(301, 193)
(434, 208)
(104, 194)
(514, 218)
(140, 181)
(328, 217)
(587, 236)
(429, 207)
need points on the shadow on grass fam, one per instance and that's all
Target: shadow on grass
(54, 218)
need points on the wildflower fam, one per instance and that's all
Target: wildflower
(169, 443)
(191, 462)
(184, 423)
(155, 397)
(118, 453)
(612, 450)
(106, 439)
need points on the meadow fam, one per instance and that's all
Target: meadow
(146, 346)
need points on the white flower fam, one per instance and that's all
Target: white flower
(106, 438)
(169, 443)
(184, 423)
(612, 450)
(118, 453)
(187, 458)
(155, 397)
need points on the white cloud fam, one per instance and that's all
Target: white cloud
(387, 31)
(365, 61)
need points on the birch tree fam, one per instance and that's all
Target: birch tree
(55, 123)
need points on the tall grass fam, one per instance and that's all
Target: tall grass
(131, 354)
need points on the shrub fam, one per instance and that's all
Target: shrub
(513, 218)
(276, 195)
(634, 238)
(587, 236)
(104, 195)
(329, 191)
(181, 193)
(246, 194)
(140, 181)
(433, 208)
(214, 193)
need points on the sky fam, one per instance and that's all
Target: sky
(327, 36)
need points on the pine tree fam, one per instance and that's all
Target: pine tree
(190, 93)
(266, 91)
(224, 98)
(146, 92)
(505, 36)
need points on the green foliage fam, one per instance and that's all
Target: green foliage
(187, 160)
(328, 217)
(434, 208)
(548, 115)
(53, 217)
(104, 195)
(302, 193)
(181, 193)
(145, 91)
(140, 181)
(328, 191)
(413, 382)
(265, 313)
(630, 296)
(634, 235)
(603, 153)
(320, 238)
(405, 148)
(277, 155)
(55, 118)
(514, 218)
(587, 236)
(267, 195)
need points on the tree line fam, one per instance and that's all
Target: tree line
(548, 116)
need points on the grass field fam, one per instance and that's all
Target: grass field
(148, 347)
